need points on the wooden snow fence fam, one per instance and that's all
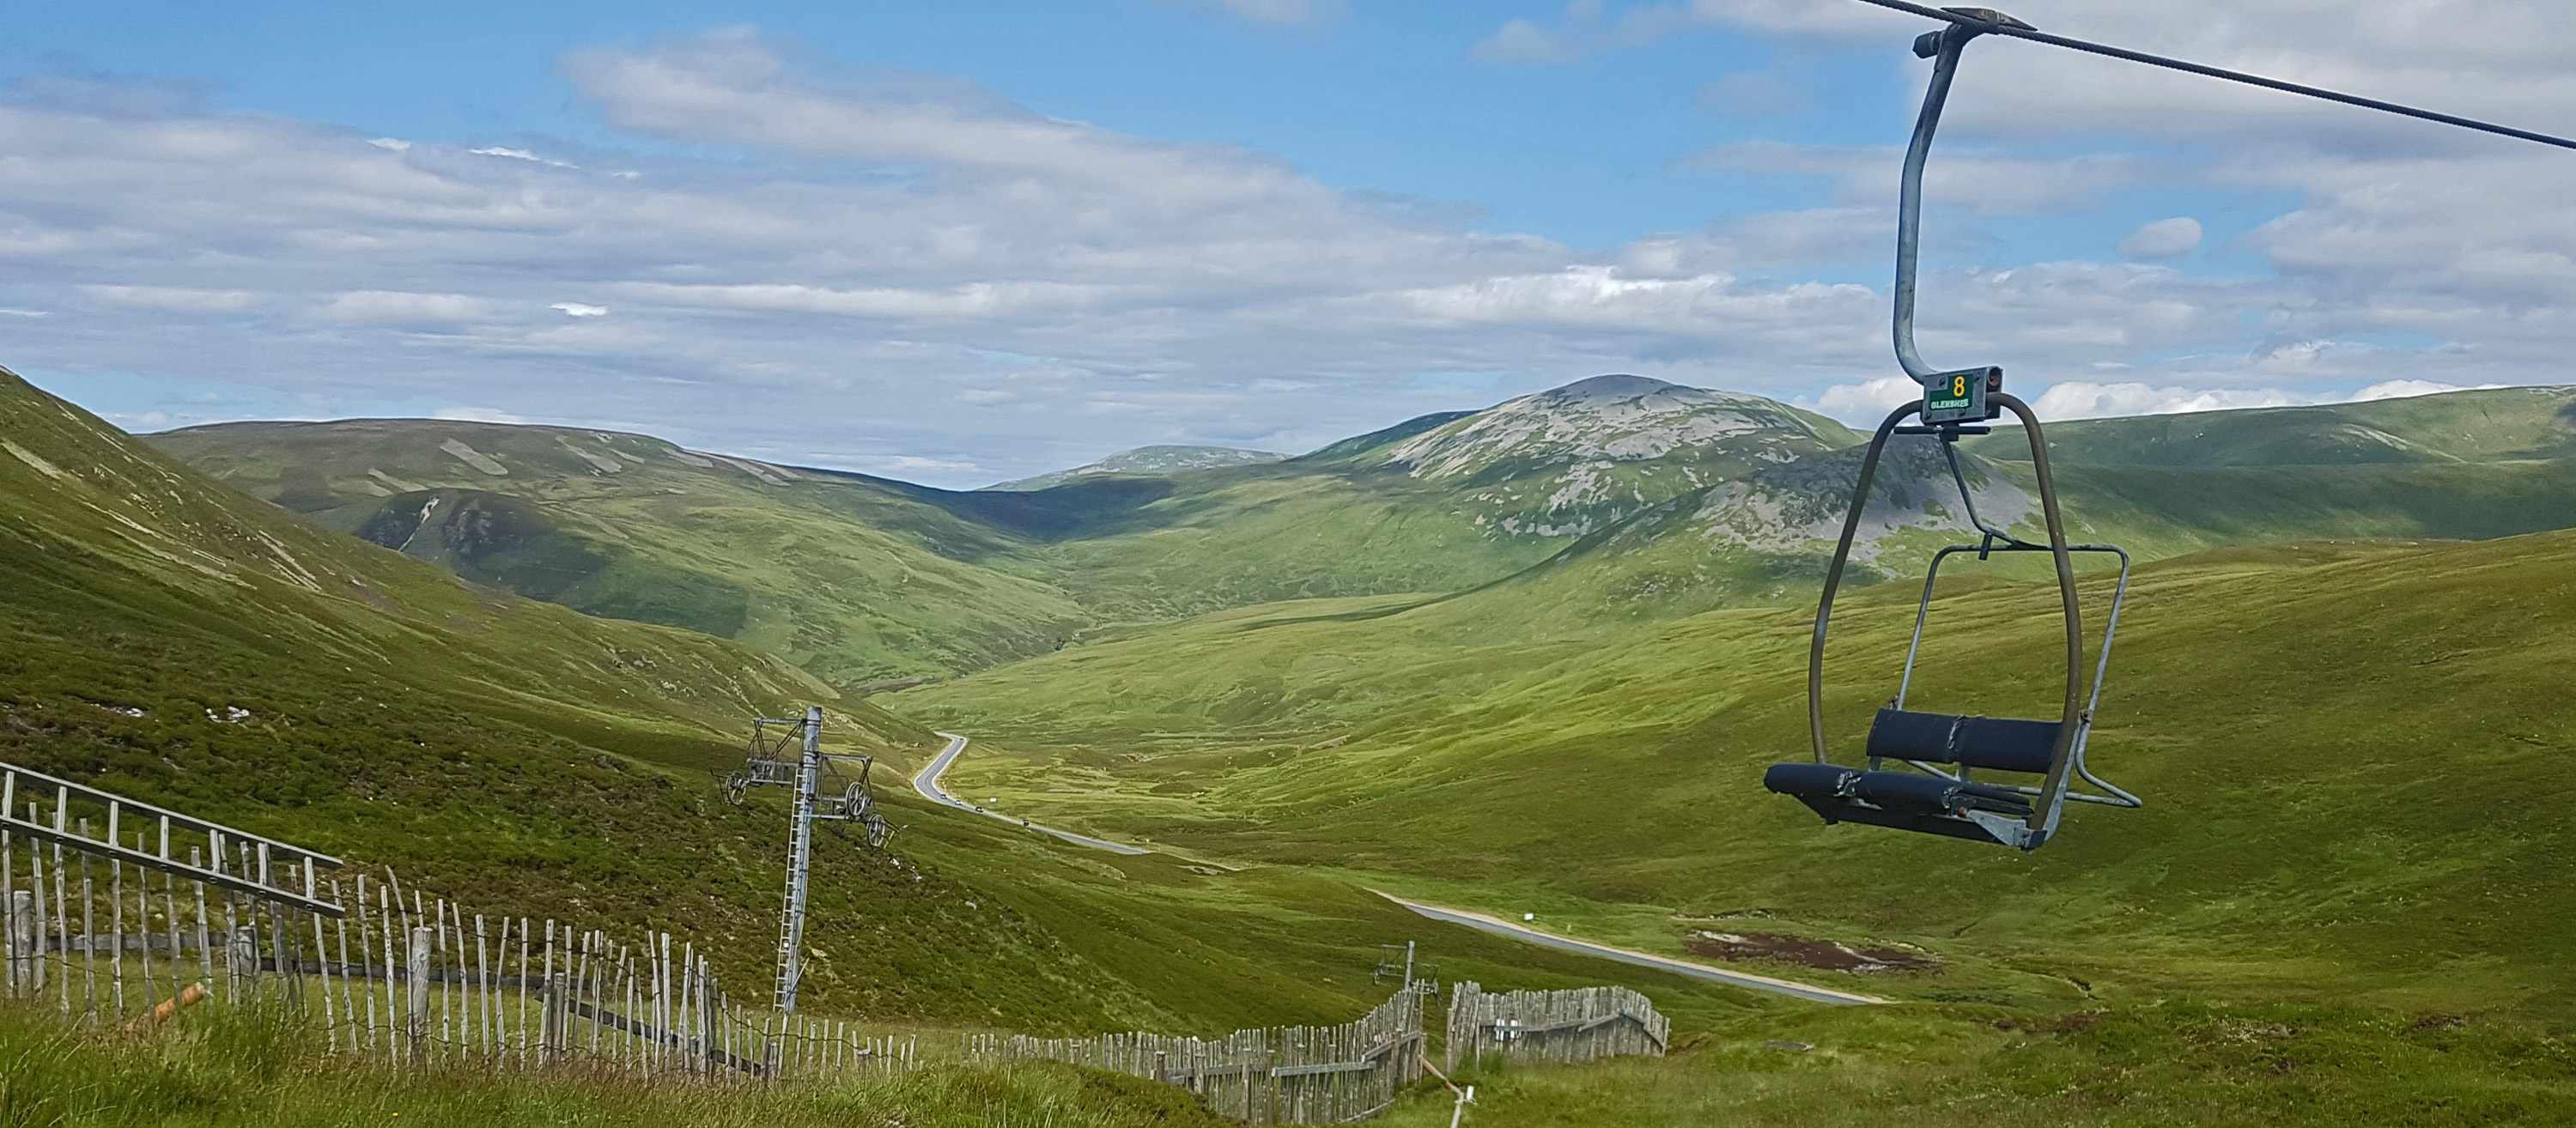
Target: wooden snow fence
(1272, 1075)
(426, 984)
(1559, 1026)
(389, 975)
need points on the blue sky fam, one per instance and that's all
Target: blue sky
(1384, 99)
(974, 241)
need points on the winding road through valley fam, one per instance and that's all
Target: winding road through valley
(927, 783)
(1500, 927)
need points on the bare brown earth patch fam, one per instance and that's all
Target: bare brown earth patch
(1805, 951)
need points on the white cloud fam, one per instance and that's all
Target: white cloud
(1865, 403)
(913, 464)
(1274, 12)
(925, 244)
(170, 299)
(577, 309)
(477, 415)
(735, 88)
(402, 308)
(1983, 181)
(2162, 239)
(973, 300)
(2077, 399)
(394, 143)
(517, 155)
(2082, 400)
(1584, 29)
(2401, 389)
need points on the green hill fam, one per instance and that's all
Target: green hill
(1146, 460)
(1686, 499)
(2488, 425)
(1523, 695)
(2350, 754)
(859, 579)
(174, 640)
(851, 578)
(2484, 464)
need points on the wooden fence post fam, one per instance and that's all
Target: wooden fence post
(552, 1035)
(241, 957)
(416, 1021)
(22, 942)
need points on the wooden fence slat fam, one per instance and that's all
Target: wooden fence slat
(1273, 1075)
(1561, 1026)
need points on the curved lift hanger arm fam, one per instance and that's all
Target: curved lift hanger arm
(1969, 394)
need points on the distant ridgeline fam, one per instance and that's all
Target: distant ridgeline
(1147, 460)
(1630, 497)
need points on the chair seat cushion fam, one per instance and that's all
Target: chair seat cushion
(1811, 780)
(1903, 792)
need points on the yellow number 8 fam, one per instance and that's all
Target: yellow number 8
(1959, 386)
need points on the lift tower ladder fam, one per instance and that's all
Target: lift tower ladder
(824, 793)
(800, 856)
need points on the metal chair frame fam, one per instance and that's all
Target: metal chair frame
(1991, 541)
(1967, 398)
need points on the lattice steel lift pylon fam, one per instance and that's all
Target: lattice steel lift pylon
(823, 794)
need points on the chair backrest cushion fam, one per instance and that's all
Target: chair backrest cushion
(2008, 745)
(2000, 743)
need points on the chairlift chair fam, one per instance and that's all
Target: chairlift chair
(1935, 790)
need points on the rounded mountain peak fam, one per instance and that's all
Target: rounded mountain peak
(1616, 418)
(1617, 386)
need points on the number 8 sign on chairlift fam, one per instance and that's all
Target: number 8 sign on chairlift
(1960, 397)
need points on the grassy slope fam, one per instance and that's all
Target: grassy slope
(249, 1068)
(2173, 1062)
(848, 578)
(537, 761)
(1341, 522)
(855, 579)
(2490, 425)
(1287, 531)
(2178, 1061)
(2352, 755)
(509, 751)
(859, 579)
(1421, 709)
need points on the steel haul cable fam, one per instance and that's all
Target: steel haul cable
(1990, 22)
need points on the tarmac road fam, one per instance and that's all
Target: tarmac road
(927, 783)
(1501, 927)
